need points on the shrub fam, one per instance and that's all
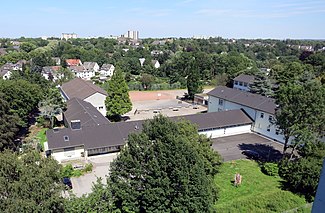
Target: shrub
(67, 171)
(270, 169)
(88, 167)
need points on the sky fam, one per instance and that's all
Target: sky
(279, 19)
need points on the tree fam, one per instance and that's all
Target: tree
(193, 82)
(8, 125)
(262, 85)
(302, 172)
(29, 183)
(167, 167)
(52, 105)
(118, 101)
(147, 80)
(300, 106)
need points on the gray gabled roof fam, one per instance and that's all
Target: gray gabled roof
(78, 88)
(89, 65)
(106, 67)
(114, 134)
(88, 115)
(254, 101)
(245, 78)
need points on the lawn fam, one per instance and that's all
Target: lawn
(257, 193)
(41, 135)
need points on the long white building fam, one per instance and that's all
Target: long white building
(259, 108)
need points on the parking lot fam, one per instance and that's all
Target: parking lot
(231, 147)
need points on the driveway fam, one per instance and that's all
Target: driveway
(83, 185)
(231, 147)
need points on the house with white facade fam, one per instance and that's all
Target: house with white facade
(91, 66)
(86, 91)
(7, 68)
(242, 82)
(81, 72)
(259, 108)
(106, 70)
(52, 73)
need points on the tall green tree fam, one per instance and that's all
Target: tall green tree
(118, 101)
(193, 82)
(29, 183)
(167, 167)
(8, 125)
(300, 106)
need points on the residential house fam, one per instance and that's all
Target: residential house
(155, 63)
(86, 91)
(107, 70)
(73, 62)
(3, 51)
(156, 52)
(242, 82)
(52, 72)
(6, 69)
(82, 72)
(260, 108)
(88, 136)
(91, 66)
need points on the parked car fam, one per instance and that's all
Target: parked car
(251, 154)
(67, 182)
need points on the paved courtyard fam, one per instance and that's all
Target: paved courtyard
(82, 185)
(231, 147)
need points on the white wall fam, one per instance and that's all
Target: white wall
(260, 125)
(98, 101)
(61, 155)
(86, 75)
(227, 131)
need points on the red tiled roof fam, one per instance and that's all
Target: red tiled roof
(73, 62)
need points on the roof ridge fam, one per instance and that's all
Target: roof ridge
(86, 111)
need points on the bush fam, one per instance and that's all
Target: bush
(270, 169)
(67, 171)
(88, 167)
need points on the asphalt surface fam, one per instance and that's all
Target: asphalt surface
(231, 147)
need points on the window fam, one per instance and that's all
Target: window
(240, 83)
(262, 115)
(270, 118)
(220, 102)
(277, 131)
(66, 138)
(101, 107)
(245, 84)
(268, 128)
(236, 82)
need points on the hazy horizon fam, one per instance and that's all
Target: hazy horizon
(251, 19)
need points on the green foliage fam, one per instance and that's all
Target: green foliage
(99, 200)
(300, 107)
(21, 95)
(163, 169)
(88, 167)
(41, 135)
(118, 101)
(69, 171)
(8, 124)
(257, 193)
(29, 183)
(270, 169)
(302, 173)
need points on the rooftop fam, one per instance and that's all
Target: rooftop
(254, 101)
(78, 88)
(113, 134)
(245, 78)
(88, 115)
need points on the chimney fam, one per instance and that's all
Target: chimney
(75, 124)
